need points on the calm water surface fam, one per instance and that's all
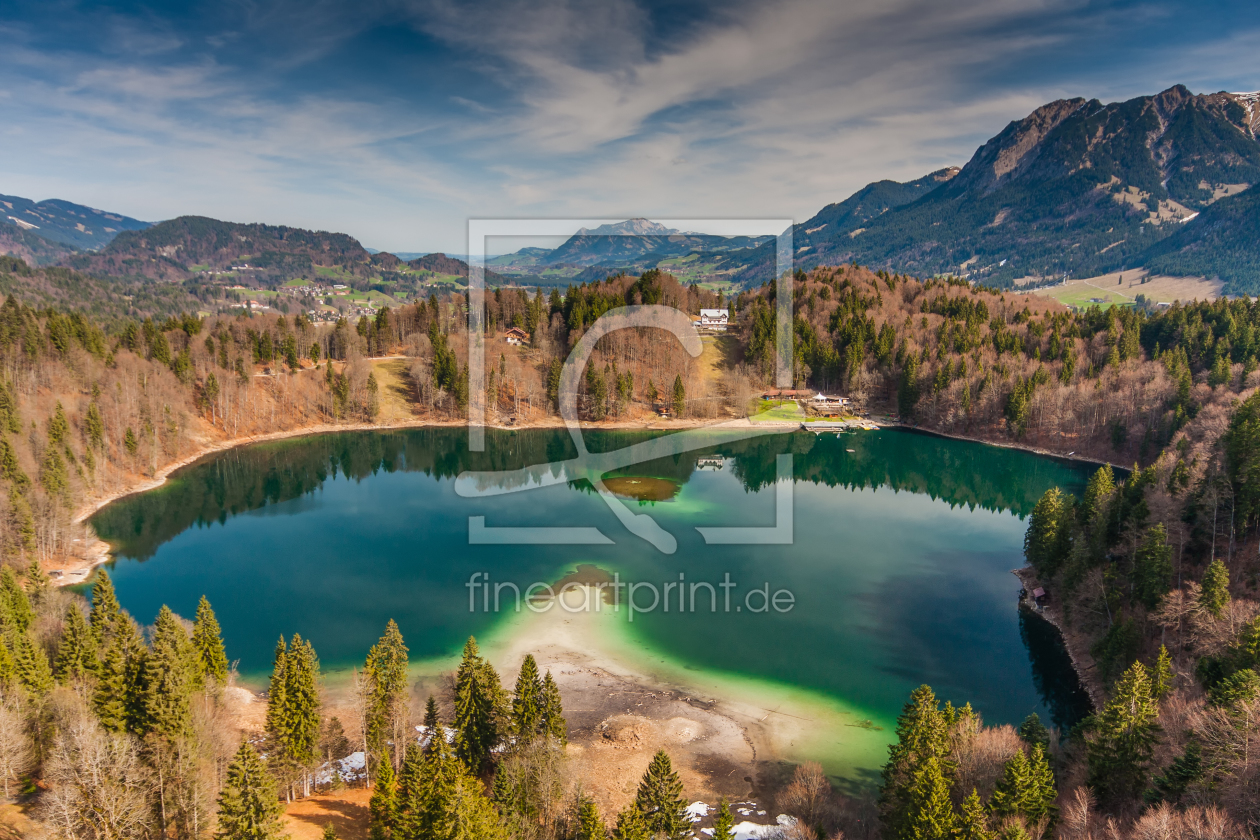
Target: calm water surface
(900, 564)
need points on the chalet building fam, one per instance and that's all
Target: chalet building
(824, 401)
(713, 319)
(516, 336)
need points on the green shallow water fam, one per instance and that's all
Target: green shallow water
(899, 566)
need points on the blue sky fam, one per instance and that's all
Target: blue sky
(396, 121)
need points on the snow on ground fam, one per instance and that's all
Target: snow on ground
(696, 810)
(351, 768)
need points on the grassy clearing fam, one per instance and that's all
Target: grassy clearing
(776, 411)
(397, 400)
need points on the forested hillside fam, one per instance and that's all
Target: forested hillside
(1165, 555)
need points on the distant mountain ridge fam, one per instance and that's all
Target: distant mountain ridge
(1077, 187)
(67, 223)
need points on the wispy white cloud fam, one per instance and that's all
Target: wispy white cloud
(552, 107)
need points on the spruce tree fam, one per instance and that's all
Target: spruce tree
(31, 664)
(1042, 793)
(553, 721)
(1185, 770)
(106, 611)
(76, 656)
(659, 799)
(437, 799)
(680, 397)
(724, 822)
(1013, 787)
(1214, 596)
(590, 826)
(1152, 568)
(330, 831)
(302, 705)
(277, 720)
(1124, 737)
(930, 815)
(477, 702)
(1033, 731)
(973, 821)
(208, 640)
(110, 697)
(386, 672)
(167, 684)
(383, 807)
(1045, 542)
(1162, 675)
(631, 825)
(409, 801)
(432, 721)
(16, 608)
(249, 808)
(922, 734)
(527, 712)
(8, 668)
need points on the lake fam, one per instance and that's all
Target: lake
(899, 567)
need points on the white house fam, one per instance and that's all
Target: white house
(714, 317)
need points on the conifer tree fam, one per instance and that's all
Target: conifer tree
(631, 825)
(1185, 770)
(1026, 788)
(208, 641)
(1162, 675)
(1125, 734)
(1046, 541)
(386, 672)
(660, 800)
(922, 734)
(553, 721)
(409, 800)
(330, 831)
(680, 397)
(930, 815)
(31, 664)
(118, 699)
(432, 721)
(1152, 568)
(590, 826)
(478, 697)
(106, 611)
(437, 799)
(8, 668)
(973, 821)
(382, 807)
(527, 700)
(167, 686)
(302, 705)
(277, 707)
(1033, 731)
(1013, 787)
(249, 808)
(110, 697)
(76, 656)
(1214, 596)
(15, 608)
(724, 822)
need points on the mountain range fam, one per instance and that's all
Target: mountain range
(1169, 182)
